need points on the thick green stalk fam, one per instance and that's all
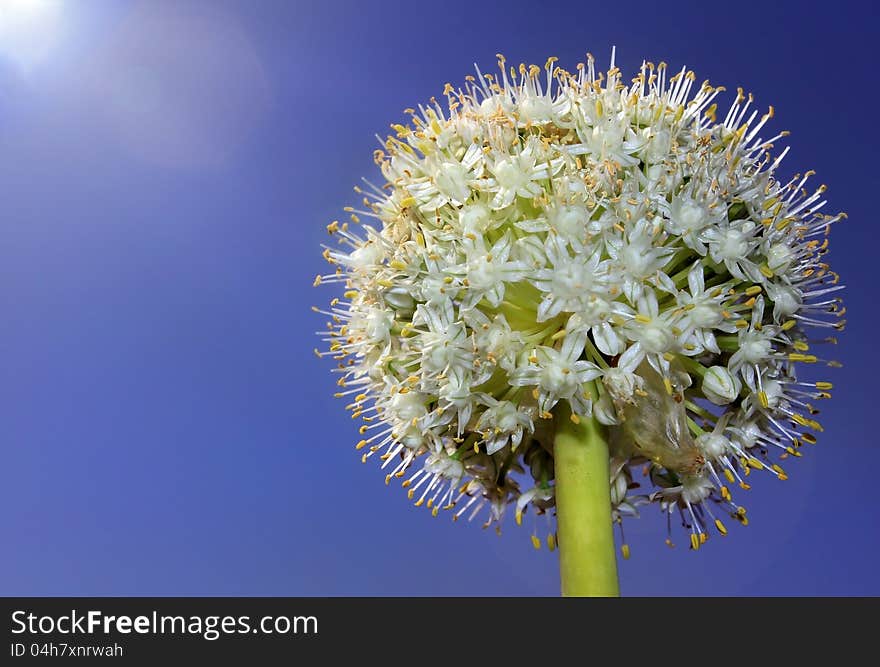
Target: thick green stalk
(587, 559)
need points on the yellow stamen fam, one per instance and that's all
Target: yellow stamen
(809, 423)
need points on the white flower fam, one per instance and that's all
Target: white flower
(689, 217)
(608, 138)
(638, 257)
(569, 221)
(559, 374)
(787, 300)
(486, 272)
(732, 246)
(696, 488)
(622, 381)
(445, 348)
(499, 344)
(703, 308)
(503, 422)
(653, 332)
(714, 445)
(448, 180)
(779, 257)
(576, 283)
(475, 219)
(455, 398)
(517, 175)
(755, 345)
(559, 240)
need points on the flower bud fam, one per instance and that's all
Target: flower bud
(720, 386)
(604, 412)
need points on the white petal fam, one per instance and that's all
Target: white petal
(607, 339)
(630, 359)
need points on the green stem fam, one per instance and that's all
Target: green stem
(587, 560)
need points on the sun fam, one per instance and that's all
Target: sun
(29, 31)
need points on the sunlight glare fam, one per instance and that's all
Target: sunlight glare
(29, 30)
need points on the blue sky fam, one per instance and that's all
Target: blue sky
(166, 173)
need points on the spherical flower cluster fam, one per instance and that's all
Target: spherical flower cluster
(554, 240)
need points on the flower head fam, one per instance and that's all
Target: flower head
(552, 238)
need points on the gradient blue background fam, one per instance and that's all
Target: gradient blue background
(166, 173)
